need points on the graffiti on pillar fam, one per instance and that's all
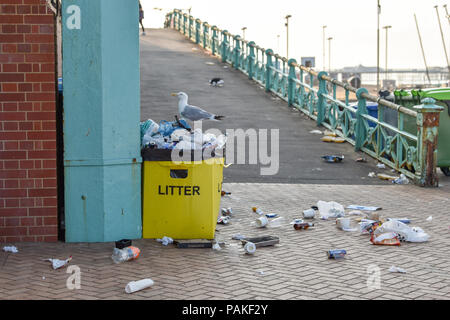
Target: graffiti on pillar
(74, 19)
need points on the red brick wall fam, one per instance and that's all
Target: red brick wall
(28, 203)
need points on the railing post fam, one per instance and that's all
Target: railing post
(291, 81)
(225, 44)
(428, 130)
(205, 33)
(197, 31)
(179, 21)
(184, 23)
(360, 130)
(269, 53)
(191, 19)
(237, 47)
(213, 40)
(321, 101)
(251, 59)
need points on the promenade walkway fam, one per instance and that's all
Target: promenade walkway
(296, 268)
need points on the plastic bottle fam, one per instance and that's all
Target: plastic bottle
(278, 222)
(125, 254)
(258, 211)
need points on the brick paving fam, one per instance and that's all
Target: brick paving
(297, 268)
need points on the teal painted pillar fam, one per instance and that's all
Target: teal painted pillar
(213, 40)
(251, 59)
(184, 23)
(190, 26)
(322, 102)
(360, 130)
(205, 33)
(225, 45)
(236, 51)
(197, 31)
(102, 163)
(269, 54)
(291, 81)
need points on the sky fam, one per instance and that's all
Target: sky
(351, 23)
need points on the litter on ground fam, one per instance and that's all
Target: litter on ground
(396, 269)
(56, 263)
(11, 249)
(135, 286)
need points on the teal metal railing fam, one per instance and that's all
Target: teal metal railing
(315, 94)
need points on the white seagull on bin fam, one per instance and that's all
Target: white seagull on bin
(193, 113)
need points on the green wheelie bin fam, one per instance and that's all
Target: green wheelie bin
(411, 98)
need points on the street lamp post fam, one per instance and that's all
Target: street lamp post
(323, 29)
(243, 32)
(329, 54)
(287, 35)
(386, 62)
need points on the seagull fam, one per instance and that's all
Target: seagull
(193, 113)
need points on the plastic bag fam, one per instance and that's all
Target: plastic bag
(387, 239)
(330, 210)
(405, 232)
(148, 127)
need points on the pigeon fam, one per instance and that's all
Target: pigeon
(216, 82)
(193, 113)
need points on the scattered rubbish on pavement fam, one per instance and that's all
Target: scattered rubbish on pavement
(297, 221)
(401, 180)
(275, 223)
(333, 159)
(368, 226)
(261, 272)
(374, 215)
(309, 214)
(224, 193)
(238, 237)
(316, 132)
(209, 63)
(329, 133)
(216, 246)
(405, 233)
(361, 160)
(135, 286)
(430, 218)
(404, 220)
(272, 215)
(223, 220)
(250, 248)
(383, 176)
(333, 139)
(372, 174)
(315, 208)
(165, 241)
(227, 212)
(363, 208)
(258, 211)
(11, 249)
(336, 254)
(330, 210)
(264, 241)
(303, 226)
(386, 239)
(216, 82)
(381, 166)
(262, 221)
(56, 263)
(125, 254)
(225, 67)
(123, 243)
(356, 213)
(344, 224)
(394, 269)
(195, 244)
(194, 49)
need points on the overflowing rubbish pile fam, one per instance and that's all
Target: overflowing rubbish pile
(177, 135)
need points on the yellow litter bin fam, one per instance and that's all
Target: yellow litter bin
(180, 200)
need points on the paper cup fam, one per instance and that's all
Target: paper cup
(261, 222)
(343, 223)
(309, 214)
(250, 248)
(134, 286)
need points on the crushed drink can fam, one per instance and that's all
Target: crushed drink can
(336, 254)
